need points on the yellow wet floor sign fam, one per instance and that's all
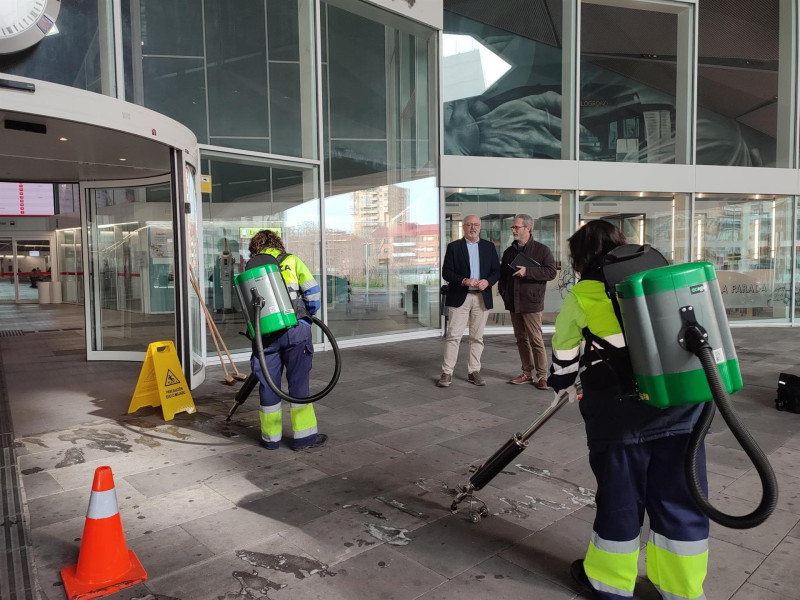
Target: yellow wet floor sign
(161, 382)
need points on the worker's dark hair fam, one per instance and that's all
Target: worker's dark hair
(265, 239)
(590, 243)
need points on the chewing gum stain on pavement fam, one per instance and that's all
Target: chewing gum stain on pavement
(172, 430)
(390, 535)
(110, 441)
(358, 544)
(515, 506)
(365, 511)
(107, 440)
(434, 486)
(35, 441)
(252, 582)
(73, 456)
(147, 441)
(299, 566)
(401, 507)
(578, 494)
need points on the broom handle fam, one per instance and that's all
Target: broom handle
(213, 326)
(210, 322)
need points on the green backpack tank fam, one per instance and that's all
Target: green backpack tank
(277, 313)
(654, 305)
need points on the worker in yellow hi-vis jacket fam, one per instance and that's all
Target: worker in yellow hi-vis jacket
(636, 450)
(293, 350)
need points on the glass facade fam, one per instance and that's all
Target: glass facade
(248, 194)
(382, 204)
(238, 74)
(132, 264)
(658, 219)
(322, 119)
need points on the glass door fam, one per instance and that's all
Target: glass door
(25, 269)
(130, 255)
(70, 259)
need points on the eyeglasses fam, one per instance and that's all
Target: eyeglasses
(518, 227)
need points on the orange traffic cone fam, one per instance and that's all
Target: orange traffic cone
(105, 565)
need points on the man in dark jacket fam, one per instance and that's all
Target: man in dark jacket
(522, 287)
(471, 269)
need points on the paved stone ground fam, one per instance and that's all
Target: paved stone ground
(211, 515)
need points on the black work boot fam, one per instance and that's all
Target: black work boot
(579, 576)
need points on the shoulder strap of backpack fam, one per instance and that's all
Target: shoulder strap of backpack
(626, 260)
(266, 259)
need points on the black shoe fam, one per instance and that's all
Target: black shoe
(321, 439)
(579, 576)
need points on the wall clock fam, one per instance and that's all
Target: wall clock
(23, 23)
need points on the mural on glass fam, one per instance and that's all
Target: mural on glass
(502, 84)
(501, 79)
(739, 82)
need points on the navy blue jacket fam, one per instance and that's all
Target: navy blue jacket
(456, 268)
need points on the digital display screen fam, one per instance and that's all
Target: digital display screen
(27, 199)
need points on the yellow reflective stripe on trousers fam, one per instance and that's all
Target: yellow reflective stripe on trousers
(271, 423)
(304, 421)
(102, 504)
(611, 566)
(677, 568)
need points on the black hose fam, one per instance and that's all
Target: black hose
(337, 359)
(769, 485)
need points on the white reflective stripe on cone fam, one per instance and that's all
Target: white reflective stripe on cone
(102, 505)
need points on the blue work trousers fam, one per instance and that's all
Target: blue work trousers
(634, 478)
(293, 352)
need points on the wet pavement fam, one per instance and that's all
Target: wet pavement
(212, 515)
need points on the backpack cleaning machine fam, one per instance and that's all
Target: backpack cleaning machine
(270, 312)
(681, 353)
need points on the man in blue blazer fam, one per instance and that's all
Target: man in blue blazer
(471, 267)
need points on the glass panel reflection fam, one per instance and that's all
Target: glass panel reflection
(70, 260)
(132, 262)
(76, 54)
(381, 205)
(658, 219)
(496, 209)
(233, 72)
(628, 84)
(247, 195)
(748, 240)
(739, 84)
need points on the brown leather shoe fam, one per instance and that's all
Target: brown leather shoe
(541, 384)
(521, 378)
